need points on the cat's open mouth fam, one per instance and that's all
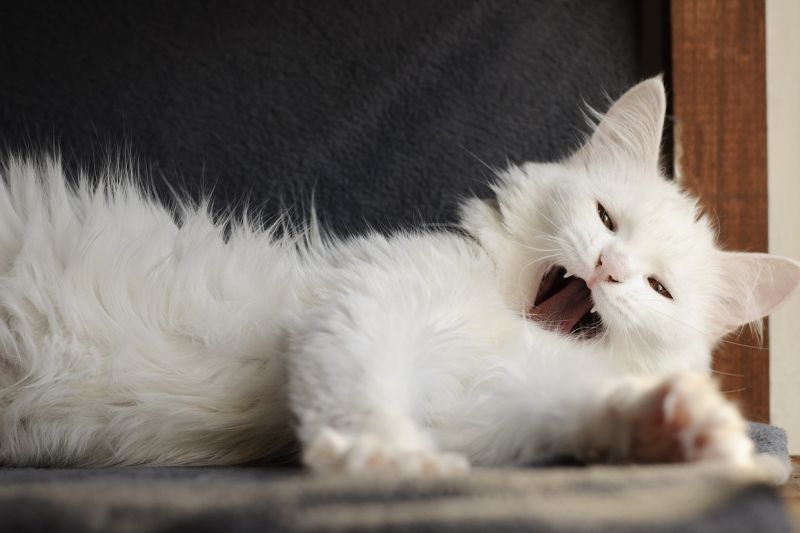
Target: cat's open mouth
(565, 303)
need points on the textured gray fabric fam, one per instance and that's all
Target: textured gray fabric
(705, 497)
(376, 105)
(655, 498)
(771, 440)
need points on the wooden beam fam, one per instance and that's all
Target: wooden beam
(719, 101)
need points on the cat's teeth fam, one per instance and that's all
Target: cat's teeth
(568, 275)
(593, 309)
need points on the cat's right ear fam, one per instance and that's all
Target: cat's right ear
(629, 134)
(750, 286)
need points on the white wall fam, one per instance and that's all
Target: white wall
(783, 160)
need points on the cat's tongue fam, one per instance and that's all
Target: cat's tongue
(565, 307)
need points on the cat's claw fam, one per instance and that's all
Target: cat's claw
(686, 418)
(332, 451)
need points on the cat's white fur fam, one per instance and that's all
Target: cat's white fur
(127, 337)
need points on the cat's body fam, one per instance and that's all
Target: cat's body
(128, 338)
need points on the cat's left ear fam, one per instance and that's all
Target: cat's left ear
(752, 285)
(630, 132)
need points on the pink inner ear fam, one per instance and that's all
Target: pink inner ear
(756, 284)
(631, 130)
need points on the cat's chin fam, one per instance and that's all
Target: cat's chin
(564, 303)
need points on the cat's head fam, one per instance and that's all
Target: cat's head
(638, 248)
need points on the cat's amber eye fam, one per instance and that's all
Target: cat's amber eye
(658, 287)
(605, 218)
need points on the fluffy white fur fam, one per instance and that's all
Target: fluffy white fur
(131, 333)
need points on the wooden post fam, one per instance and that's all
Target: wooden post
(719, 99)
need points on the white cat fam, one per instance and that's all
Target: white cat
(128, 338)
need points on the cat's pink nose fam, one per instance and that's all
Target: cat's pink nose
(605, 270)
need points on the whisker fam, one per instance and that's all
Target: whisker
(494, 170)
(694, 328)
(731, 391)
(730, 374)
(520, 289)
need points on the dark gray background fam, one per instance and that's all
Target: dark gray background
(375, 105)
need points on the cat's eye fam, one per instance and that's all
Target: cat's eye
(605, 218)
(658, 287)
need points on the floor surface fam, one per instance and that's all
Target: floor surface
(791, 494)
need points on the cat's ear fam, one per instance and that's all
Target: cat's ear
(752, 285)
(630, 132)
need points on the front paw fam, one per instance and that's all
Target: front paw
(681, 418)
(333, 451)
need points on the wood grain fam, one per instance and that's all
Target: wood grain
(719, 99)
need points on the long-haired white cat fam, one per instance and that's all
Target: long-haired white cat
(575, 315)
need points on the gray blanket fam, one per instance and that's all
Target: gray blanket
(686, 497)
(376, 105)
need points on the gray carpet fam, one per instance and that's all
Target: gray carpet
(665, 498)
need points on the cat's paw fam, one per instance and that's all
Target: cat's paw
(686, 418)
(333, 451)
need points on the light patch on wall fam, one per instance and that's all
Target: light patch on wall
(783, 182)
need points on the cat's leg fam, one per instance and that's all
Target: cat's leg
(355, 387)
(683, 417)
(529, 410)
(369, 451)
